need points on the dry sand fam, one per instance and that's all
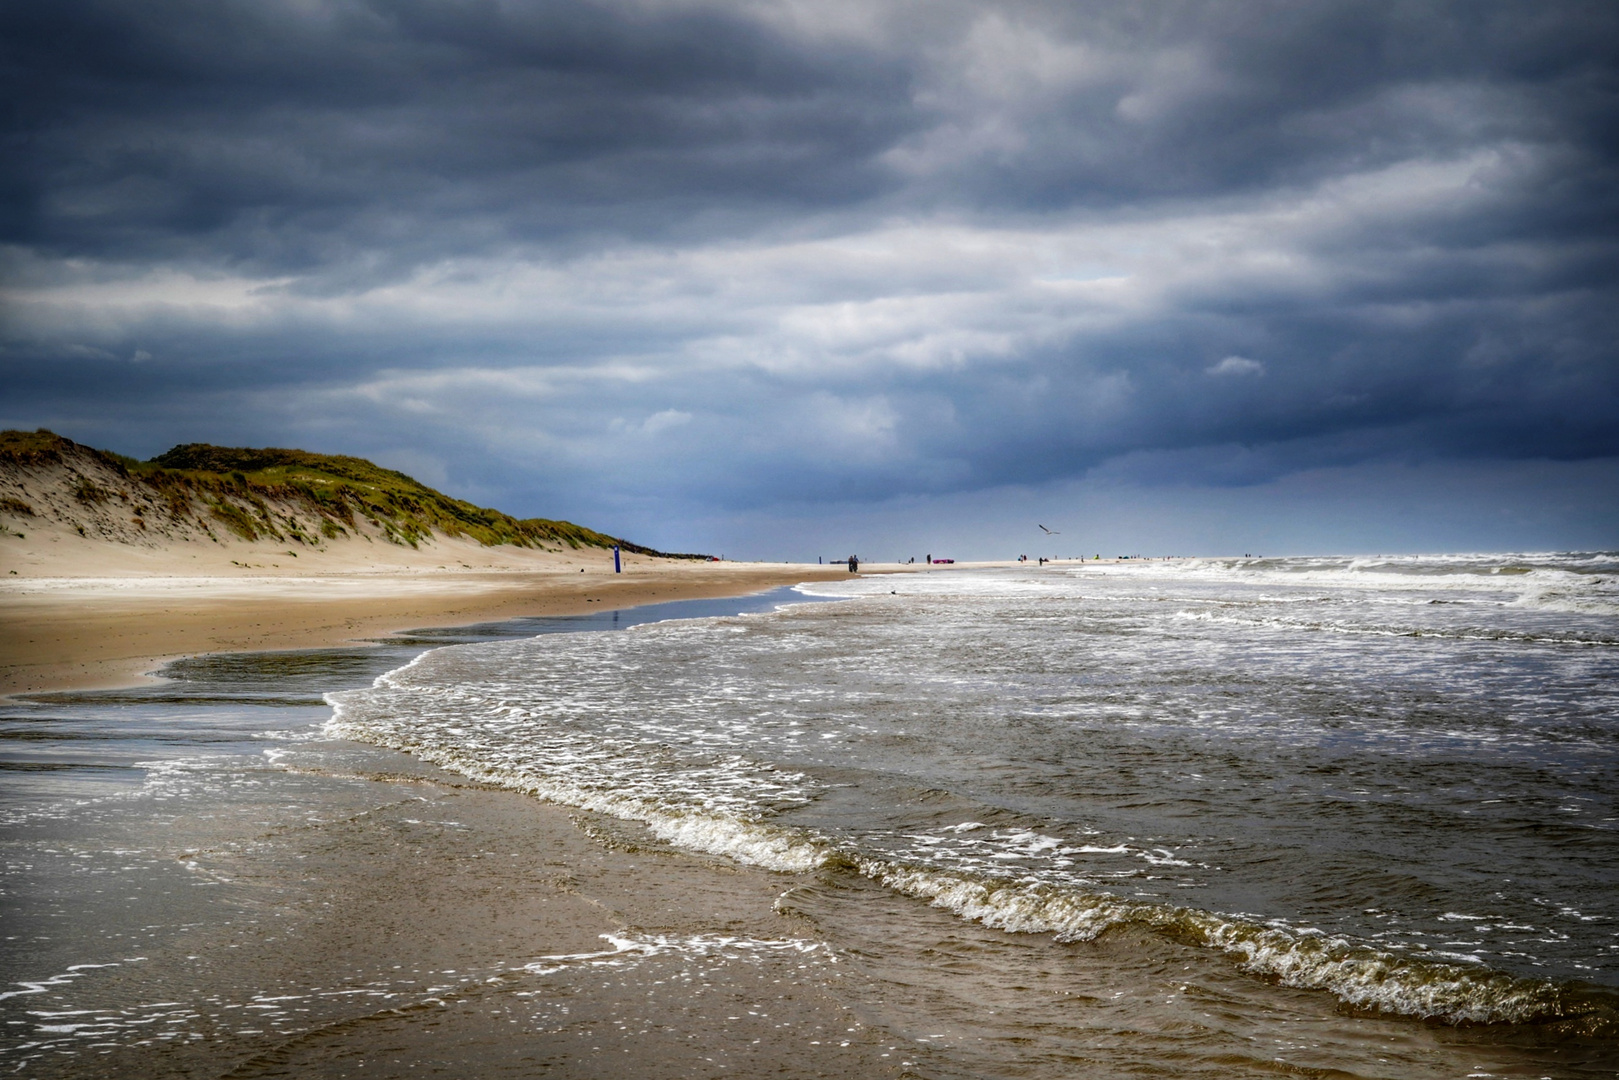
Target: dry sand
(86, 613)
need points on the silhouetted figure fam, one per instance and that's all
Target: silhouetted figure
(854, 563)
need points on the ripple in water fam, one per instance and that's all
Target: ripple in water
(1387, 779)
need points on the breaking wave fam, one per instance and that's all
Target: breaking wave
(1202, 688)
(1359, 976)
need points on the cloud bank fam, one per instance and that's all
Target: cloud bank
(664, 265)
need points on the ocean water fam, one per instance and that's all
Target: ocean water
(1223, 818)
(1386, 784)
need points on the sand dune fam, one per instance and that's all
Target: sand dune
(102, 576)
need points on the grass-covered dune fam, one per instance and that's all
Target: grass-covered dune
(280, 495)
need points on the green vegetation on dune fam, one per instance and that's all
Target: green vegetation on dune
(35, 447)
(250, 492)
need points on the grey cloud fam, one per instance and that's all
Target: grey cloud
(381, 135)
(388, 133)
(904, 249)
(1235, 366)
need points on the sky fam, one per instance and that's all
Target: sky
(780, 279)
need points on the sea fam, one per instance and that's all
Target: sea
(1314, 816)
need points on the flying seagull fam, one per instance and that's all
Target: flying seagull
(1048, 532)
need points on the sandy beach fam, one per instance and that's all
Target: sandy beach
(82, 632)
(381, 872)
(99, 589)
(218, 873)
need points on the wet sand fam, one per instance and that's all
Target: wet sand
(338, 909)
(448, 930)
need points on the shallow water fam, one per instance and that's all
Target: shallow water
(1387, 783)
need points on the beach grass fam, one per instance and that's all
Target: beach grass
(247, 491)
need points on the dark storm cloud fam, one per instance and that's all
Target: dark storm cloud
(293, 135)
(711, 253)
(291, 138)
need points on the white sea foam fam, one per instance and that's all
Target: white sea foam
(716, 733)
(630, 948)
(40, 986)
(1455, 633)
(1582, 582)
(1356, 974)
(682, 803)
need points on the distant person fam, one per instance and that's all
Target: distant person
(854, 563)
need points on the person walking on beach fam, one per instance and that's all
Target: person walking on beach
(854, 563)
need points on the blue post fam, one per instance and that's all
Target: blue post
(617, 569)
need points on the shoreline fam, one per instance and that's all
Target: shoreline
(85, 630)
(104, 633)
(383, 914)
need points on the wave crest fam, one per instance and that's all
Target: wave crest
(1357, 975)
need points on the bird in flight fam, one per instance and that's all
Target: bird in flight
(1048, 532)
